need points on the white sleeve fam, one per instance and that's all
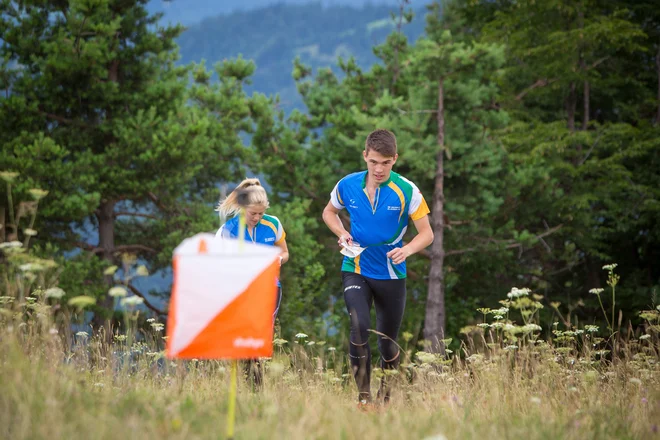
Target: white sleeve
(418, 207)
(221, 232)
(335, 197)
(280, 232)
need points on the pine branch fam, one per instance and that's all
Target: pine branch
(123, 248)
(64, 120)
(134, 214)
(537, 84)
(547, 82)
(134, 247)
(146, 301)
(510, 245)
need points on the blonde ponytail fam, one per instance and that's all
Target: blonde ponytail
(256, 195)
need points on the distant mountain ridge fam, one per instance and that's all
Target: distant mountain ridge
(189, 12)
(273, 36)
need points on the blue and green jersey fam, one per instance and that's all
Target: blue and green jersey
(268, 231)
(378, 226)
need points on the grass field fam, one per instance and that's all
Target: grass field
(92, 389)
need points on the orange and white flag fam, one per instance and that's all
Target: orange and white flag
(223, 299)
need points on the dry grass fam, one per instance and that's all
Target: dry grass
(49, 389)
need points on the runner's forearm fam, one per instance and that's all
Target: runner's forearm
(420, 242)
(334, 223)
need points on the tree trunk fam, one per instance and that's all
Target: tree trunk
(594, 272)
(585, 115)
(2, 224)
(105, 217)
(657, 68)
(570, 107)
(583, 68)
(434, 324)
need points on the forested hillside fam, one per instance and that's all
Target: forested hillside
(274, 36)
(190, 12)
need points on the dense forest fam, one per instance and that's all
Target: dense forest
(532, 128)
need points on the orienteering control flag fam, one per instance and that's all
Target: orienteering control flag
(223, 299)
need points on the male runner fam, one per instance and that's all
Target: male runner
(379, 203)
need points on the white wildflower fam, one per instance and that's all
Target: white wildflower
(510, 328)
(37, 193)
(117, 292)
(517, 293)
(132, 301)
(8, 176)
(142, 271)
(610, 267)
(54, 292)
(644, 337)
(531, 328)
(82, 301)
(301, 336)
(11, 245)
(597, 291)
(82, 334)
(31, 267)
(110, 270)
(425, 357)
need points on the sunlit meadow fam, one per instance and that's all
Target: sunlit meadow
(507, 378)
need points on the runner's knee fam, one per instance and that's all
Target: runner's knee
(388, 351)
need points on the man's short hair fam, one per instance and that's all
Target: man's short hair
(381, 141)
